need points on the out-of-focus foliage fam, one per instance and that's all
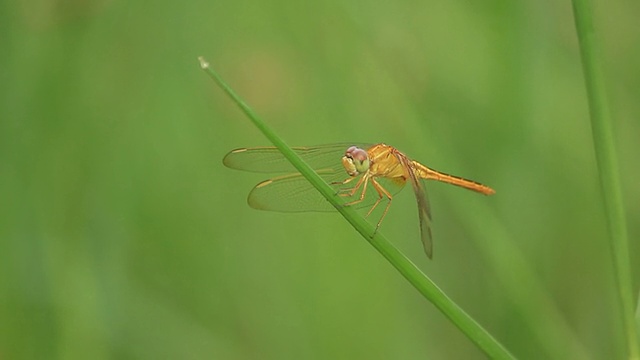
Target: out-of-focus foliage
(123, 236)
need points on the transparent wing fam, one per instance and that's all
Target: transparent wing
(270, 160)
(424, 211)
(293, 193)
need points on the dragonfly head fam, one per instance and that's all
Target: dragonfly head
(355, 161)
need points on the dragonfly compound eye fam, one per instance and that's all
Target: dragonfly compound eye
(360, 160)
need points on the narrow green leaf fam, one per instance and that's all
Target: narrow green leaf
(476, 333)
(607, 168)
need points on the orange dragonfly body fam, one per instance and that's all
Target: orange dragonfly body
(383, 167)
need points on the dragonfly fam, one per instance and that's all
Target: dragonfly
(365, 174)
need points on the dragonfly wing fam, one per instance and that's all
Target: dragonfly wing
(270, 160)
(293, 193)
(424, 211)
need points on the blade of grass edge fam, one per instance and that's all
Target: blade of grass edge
(607, 168)
(476, 333)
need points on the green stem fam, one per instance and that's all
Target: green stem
(607, 168)
(476, 333)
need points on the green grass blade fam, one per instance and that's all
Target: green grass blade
(607, 168)
(476, 333)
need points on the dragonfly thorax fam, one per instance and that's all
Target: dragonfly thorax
(355, 161)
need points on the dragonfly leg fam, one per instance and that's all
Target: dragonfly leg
(347, 191)
(351, 191)
(362, 183)
(345, 181)
(380, 197)
(381, 191)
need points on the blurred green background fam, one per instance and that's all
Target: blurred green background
(124, 236)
